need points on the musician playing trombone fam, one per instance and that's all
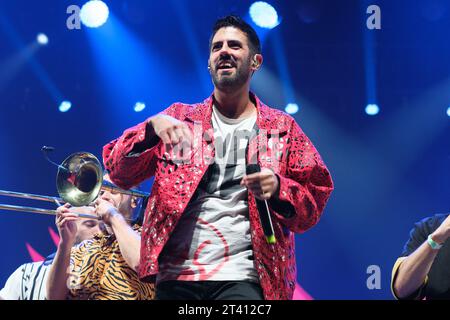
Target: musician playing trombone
(28, 281)
(102, 268)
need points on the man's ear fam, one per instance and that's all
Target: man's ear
(257, 61)
(209, 65)
(134, 202)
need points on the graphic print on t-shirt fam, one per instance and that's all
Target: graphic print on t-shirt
(212, 240)
(223, 175)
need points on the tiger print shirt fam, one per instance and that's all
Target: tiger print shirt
(98, 271)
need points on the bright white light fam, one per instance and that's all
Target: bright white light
(139, 106)
(372, 109)
(65, 106)
(448, 111)
(94, 13)
(264, 15)
(291, 108)
(42, 39)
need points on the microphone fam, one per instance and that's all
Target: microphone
(263, 209)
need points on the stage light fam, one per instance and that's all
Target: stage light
(65, 106)
(139, 106)
(291, 108)
(264, 15)
(42, 39)
(372, 109)
(448, 111)
(94, 13)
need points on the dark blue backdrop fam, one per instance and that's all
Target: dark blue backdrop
(390, 170)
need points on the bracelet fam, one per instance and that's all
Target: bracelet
(433, 244)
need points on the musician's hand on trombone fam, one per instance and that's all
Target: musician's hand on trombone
(66, 224)
(105, 210)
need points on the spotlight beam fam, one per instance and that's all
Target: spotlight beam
(38, 70)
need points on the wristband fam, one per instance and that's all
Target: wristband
(433, 244)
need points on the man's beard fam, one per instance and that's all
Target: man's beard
(231, 82)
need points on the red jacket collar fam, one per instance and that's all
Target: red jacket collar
(267, 118)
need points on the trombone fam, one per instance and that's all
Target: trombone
(79, 182)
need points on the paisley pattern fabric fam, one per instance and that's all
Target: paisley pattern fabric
(99, 272)
(281, 145)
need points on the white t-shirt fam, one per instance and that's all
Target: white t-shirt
(212, 240)
(28, 282)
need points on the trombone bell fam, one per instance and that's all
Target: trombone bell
(80, 180)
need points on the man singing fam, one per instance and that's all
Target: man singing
(202, 236)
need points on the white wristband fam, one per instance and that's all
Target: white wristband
(433, 244)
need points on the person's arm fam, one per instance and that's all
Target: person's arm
(413, 270)
(132, 158)
(57, 288)
(129, 240)
(303, 192)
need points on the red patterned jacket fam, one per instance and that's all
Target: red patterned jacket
(305, 186)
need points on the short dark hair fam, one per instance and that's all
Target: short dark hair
(238, 23)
